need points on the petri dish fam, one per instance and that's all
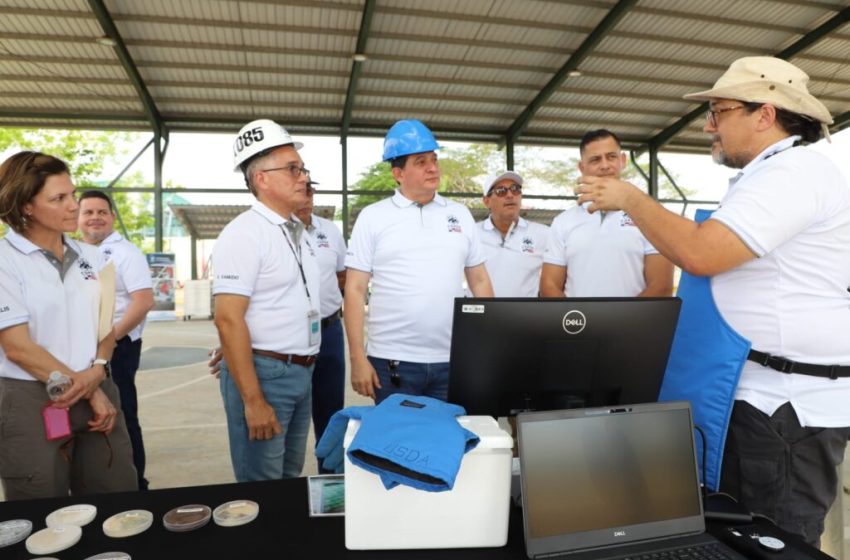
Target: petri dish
(235, 513)
(127, 523)
(77, 514)
(53, 539)
(110, 556)
(187, 518)
(14, 531)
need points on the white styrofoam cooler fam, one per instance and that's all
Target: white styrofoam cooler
(473, 514)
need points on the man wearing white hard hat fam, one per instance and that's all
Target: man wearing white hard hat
(602, 254)
(266, 287)
(762, 345)
(414, 247)
(513, 245)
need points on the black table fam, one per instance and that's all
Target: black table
(284, 528)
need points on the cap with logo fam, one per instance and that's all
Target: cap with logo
(256, 137)
(501, 176)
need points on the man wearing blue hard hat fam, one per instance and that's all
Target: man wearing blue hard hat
(414, 247)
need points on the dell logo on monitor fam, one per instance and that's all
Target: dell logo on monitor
(619, 533)
(574, 322)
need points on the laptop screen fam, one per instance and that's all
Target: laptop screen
(608, 476)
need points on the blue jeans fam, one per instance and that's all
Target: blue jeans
(328, 378)
(414, 378)
(286, 387)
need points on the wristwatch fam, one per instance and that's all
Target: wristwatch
(102, 362)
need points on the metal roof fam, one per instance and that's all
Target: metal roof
(520, 71)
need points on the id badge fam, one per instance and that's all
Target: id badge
(315, 327)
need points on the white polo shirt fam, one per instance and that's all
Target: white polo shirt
(603, 254)
(514, 264)
(329, 245)
(791, 207)
(416, 256)
(255, 257)
(62, 314)
(131, 275)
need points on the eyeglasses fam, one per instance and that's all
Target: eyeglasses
(503, 191)
(711, 114)
(293, 169)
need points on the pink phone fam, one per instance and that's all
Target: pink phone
(57, 423)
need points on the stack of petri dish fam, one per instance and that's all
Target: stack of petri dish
(14, 531)
(77, 514)
(127, 523)
(53, 539)
(235, 513)
(187, 518)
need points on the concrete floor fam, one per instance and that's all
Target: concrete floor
(182, 417)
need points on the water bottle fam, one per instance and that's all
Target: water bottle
(57, 384)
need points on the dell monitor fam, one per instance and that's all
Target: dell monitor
(511, 355)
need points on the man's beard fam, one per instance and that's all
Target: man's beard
(734, 161)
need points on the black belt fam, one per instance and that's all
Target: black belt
(787, 366)
(331, 319)
(305, 361)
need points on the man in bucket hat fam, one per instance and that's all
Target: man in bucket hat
(761, 349)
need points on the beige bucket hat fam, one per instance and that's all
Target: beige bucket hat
(765, 79)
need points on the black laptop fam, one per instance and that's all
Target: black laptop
(612, 482)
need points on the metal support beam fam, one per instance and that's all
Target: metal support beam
(585, 49)
(798, 46)
(158, 156)
(682, 194)
(110, 187)
(509, 153)
(653, 173)
(108, 26)
(194, 257)
(356, 65)
(638, 168)
(344, 142)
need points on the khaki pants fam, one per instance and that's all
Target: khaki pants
(84, 463)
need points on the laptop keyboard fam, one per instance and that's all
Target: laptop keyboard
(710, 551)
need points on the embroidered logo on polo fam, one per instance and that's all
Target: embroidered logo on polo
(322, 241)
(108, 254)
(453, 224)
(528, 245)
(86, 270)
(626, 220)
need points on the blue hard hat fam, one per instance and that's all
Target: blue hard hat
(407, 137)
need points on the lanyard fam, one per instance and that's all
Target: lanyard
(297, 255)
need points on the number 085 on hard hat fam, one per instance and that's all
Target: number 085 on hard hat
(257, 137)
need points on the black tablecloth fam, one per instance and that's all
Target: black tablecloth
(284, 528)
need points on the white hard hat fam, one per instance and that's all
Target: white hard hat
(258, 136)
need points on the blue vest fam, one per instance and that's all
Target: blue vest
(704, 366)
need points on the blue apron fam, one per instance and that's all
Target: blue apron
(704, 366)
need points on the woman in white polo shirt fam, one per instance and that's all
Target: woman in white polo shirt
(49, 305)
